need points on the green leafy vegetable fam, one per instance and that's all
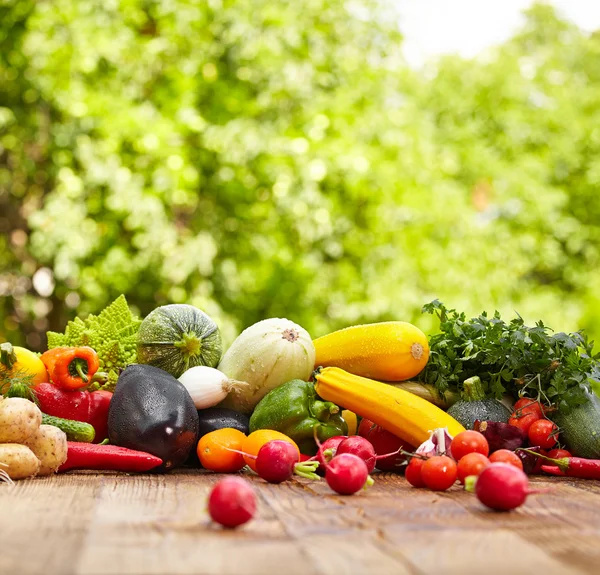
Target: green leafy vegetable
(112, 333)
(556, 368)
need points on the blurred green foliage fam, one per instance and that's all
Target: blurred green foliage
(263, 159)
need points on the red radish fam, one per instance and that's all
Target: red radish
(329, 449)
(502, 486)
(346, 473)
(364, 449)
(232, 502)
(278, 460)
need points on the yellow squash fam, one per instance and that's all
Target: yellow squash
(388, 351)
(400, 412)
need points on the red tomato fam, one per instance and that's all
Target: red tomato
(525, 412)
(471, 464)
(506, 456)
(528, 405)
(559, 453)
(523, 422)
(384, 442)
(439, 472)
(469, 442)
(543, 433)
(413, 472)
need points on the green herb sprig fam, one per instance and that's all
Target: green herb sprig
(511, 358)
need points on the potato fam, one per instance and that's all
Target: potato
(19, 419)
(50, 446)
(19, 460)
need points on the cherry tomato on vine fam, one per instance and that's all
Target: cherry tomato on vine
(439, 472)
(526, 411)
(506, 456)
(469, 442)
(471, 464)
(559, 453)
(543, 433)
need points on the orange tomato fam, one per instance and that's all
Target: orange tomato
(214, 450)
(253, 443)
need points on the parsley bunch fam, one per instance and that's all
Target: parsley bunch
(511, 358)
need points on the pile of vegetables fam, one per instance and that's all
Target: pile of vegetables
(116, 392)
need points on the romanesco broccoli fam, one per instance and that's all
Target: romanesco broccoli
(112, 333)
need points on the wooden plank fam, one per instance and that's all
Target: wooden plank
(159, 525)
(97, 524)
(44, 521)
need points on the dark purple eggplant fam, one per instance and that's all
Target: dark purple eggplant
(501, 435)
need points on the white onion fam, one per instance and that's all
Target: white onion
(208, 386)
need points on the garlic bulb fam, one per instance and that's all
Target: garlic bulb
(208, 386)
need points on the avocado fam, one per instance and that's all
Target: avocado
(153, 412)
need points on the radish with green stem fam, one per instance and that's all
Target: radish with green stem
(346, 473)
(277, 461)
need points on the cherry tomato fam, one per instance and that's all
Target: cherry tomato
(413, 472)
(469, 442)
(439, 472)
(384, 442)
(543, 433)
(527, 405)
(523, 422)
(559, 453)
(471, 464)
(525, 412)
(506, 456)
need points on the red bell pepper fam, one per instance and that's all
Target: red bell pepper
(90, 407)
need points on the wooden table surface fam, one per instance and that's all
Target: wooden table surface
(85, 523)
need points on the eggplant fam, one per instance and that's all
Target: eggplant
(215, 418)
(153, 412)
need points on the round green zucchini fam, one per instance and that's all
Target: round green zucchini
(179, 336)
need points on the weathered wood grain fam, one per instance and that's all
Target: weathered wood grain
(97, 524)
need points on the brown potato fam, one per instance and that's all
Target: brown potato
(19, 461)
(19, 419)
(49, 444)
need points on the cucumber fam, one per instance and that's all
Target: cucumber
(580, 428)
(75, 430)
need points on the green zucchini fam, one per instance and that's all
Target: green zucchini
(580, 428)
(474, 406)
(75, 430)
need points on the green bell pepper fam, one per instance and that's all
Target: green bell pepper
(295, 409)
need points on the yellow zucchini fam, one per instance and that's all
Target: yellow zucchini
(388, 351)
(400, 412)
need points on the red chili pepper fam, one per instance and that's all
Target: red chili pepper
(90, 407)
(552, 470)
(107, 458)
(572, 466)
(71, 367)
